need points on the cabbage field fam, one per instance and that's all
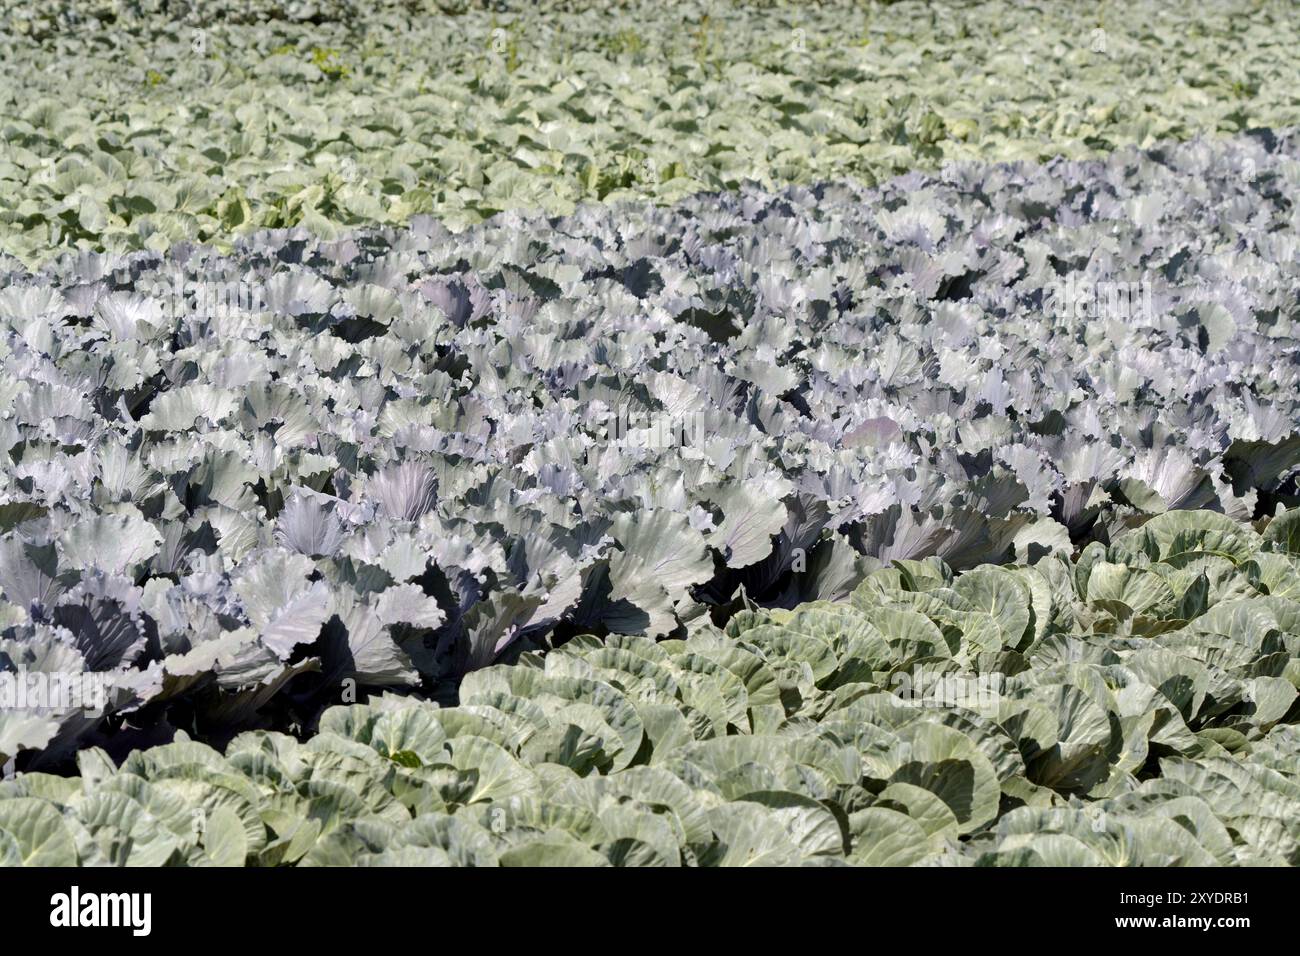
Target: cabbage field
(707, 434)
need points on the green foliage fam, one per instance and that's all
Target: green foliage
(625, 42)
(1134, 707)
(328, 61)
(463, 116)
